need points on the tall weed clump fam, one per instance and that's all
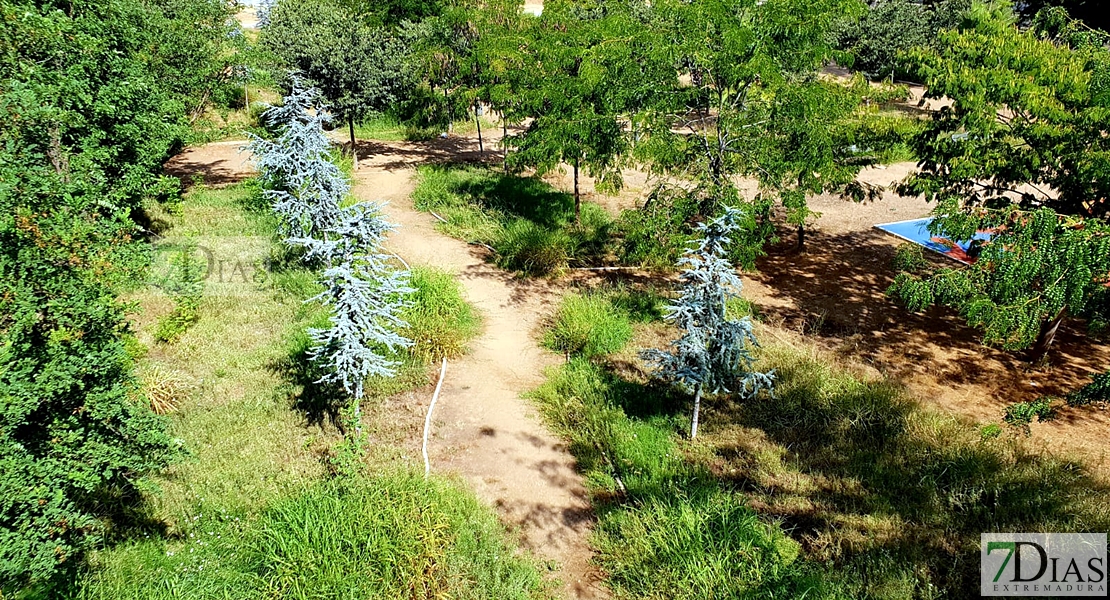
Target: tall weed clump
(394, 535)
(588, 325)
(438, 319)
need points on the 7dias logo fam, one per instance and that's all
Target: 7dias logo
(1043, 564)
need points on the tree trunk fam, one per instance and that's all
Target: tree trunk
(577, 197)
(801, 237)
(354, 147)
(446, 101)
(504, 141)
(478, 122)
(697, 411)
(1047, 336)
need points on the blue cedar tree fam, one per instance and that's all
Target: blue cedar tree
(265, 7)
(366, 297)
(303, 185)
(714, 352)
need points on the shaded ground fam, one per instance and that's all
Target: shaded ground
(834, 293)
(216, 164)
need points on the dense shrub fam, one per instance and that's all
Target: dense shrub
(95, 95)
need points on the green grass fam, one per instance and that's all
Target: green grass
(395, 536)
(666, 527)
(588, 325)
(836, 486)
(252, 512)
(529, 223)
(385, 128)
(440, 321)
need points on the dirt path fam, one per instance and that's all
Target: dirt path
(483, 430)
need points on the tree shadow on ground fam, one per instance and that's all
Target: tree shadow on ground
(871, 482)
(526, 197)
(835, 292)
(892, 496)
(320, 403)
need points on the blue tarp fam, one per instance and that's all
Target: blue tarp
(917, 231)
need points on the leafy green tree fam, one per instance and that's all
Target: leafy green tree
(495, 71)
(892, 27)
(1091, 13)
(751, 102)
(437, 90)
(582, 67)
(714, 352)
(1023, 151)
(93, 98)
(358, 67)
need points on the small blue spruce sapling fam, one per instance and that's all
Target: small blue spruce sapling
(714, 352)
(366, 296)
(265, 7)
(301, 182)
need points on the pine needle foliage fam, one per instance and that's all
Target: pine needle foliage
(714, 354)
(305, 188)
(366, 297)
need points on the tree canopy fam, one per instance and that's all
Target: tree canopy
(94, 97)
(355, 65)
(1023, 152)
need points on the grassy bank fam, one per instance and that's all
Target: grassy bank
(255, 511)
(529, 223)
(837, 486)
(385, 128)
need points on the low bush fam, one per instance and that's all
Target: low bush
(532, 249)
(1021, 414)
(655, 235)
(588, 325)
(440, 321)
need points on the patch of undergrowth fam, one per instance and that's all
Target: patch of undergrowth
(667, 527)
(388, 128)
(526, 221)
(440, 321)
(394, 535)
(184, 284)
(588, 324)
(833, 470)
